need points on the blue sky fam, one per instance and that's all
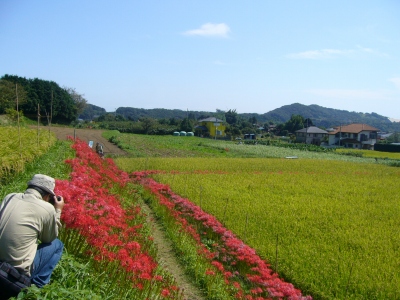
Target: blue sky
(252, 56)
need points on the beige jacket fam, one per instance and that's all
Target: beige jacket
(25, 220)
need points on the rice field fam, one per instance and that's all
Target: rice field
(373, 154)
(21, 145)
(330, 227)
(184, 146)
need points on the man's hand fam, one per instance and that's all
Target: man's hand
(58, 202)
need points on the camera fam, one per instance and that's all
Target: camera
(51, 201)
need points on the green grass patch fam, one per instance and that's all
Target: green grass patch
(19, 146)
(50, 163)
(184, 146)
(370, 153)
(329, 227)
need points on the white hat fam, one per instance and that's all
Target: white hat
(44, 182)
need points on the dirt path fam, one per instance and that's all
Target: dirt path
(168, 260)
(166, 256)
(86, 135)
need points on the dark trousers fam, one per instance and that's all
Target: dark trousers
(46, 259)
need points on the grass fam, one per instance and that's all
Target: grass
(296, 216)
(372, 154)
(19, 146)
(83, 276)
(73, 278)
(333, 218)
(165, 146)
(184, 146)
(51, 163)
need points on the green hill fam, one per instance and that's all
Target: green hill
(329, 117)
(321, 116)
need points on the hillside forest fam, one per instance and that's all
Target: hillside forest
(47, 101)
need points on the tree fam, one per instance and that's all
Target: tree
(173, 121)
(148, 124)
(231, 116)
(186, 125)
(8, 95)
(232, 130)
(80, 101)
(53, 101)
(308, 122)
(279, 128)
(253, 120)
(192, 116)
(107, 117)
(92, 111)
(394, 138)
(296, 122)
(220, 114)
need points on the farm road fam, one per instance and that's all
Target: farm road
(165, 252)
(86, 135)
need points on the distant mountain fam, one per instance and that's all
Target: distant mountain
(160, 113)
(92, 111)
(327, 117)
(321, 116)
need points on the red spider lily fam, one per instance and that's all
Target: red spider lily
(111, 233)
(210, 272)
(231, 256)
(165, 293)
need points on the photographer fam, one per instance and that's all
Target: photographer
(29, 224)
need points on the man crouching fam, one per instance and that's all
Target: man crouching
(29, 224)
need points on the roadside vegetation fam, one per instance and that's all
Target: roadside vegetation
(19, 146)
(188, 146)
(104, 231)
(369, 153)
(245, 220)
(327, 226)
(321, 220)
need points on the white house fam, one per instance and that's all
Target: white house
(359, 136)
(311, 135)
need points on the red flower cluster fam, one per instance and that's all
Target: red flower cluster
(110, 231)
(230, 255)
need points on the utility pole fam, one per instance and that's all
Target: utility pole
(51, 113)
(38, 120)
(306, 131)
(19, 129)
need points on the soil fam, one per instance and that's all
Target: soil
(166, 256)
(168, 260)
(95, 135)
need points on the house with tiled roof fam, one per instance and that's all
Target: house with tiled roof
(358, 136)
(212, 127)
(311, 135)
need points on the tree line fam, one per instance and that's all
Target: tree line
(40, 98)
(64, 105)
(236, 125)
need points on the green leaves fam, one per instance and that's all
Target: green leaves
(54, 101)
(19, 147)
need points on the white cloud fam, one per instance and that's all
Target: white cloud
(363, 49)
(333, 53)
(210, 29)
(319, 54)
(396, 81)
(218, 62)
